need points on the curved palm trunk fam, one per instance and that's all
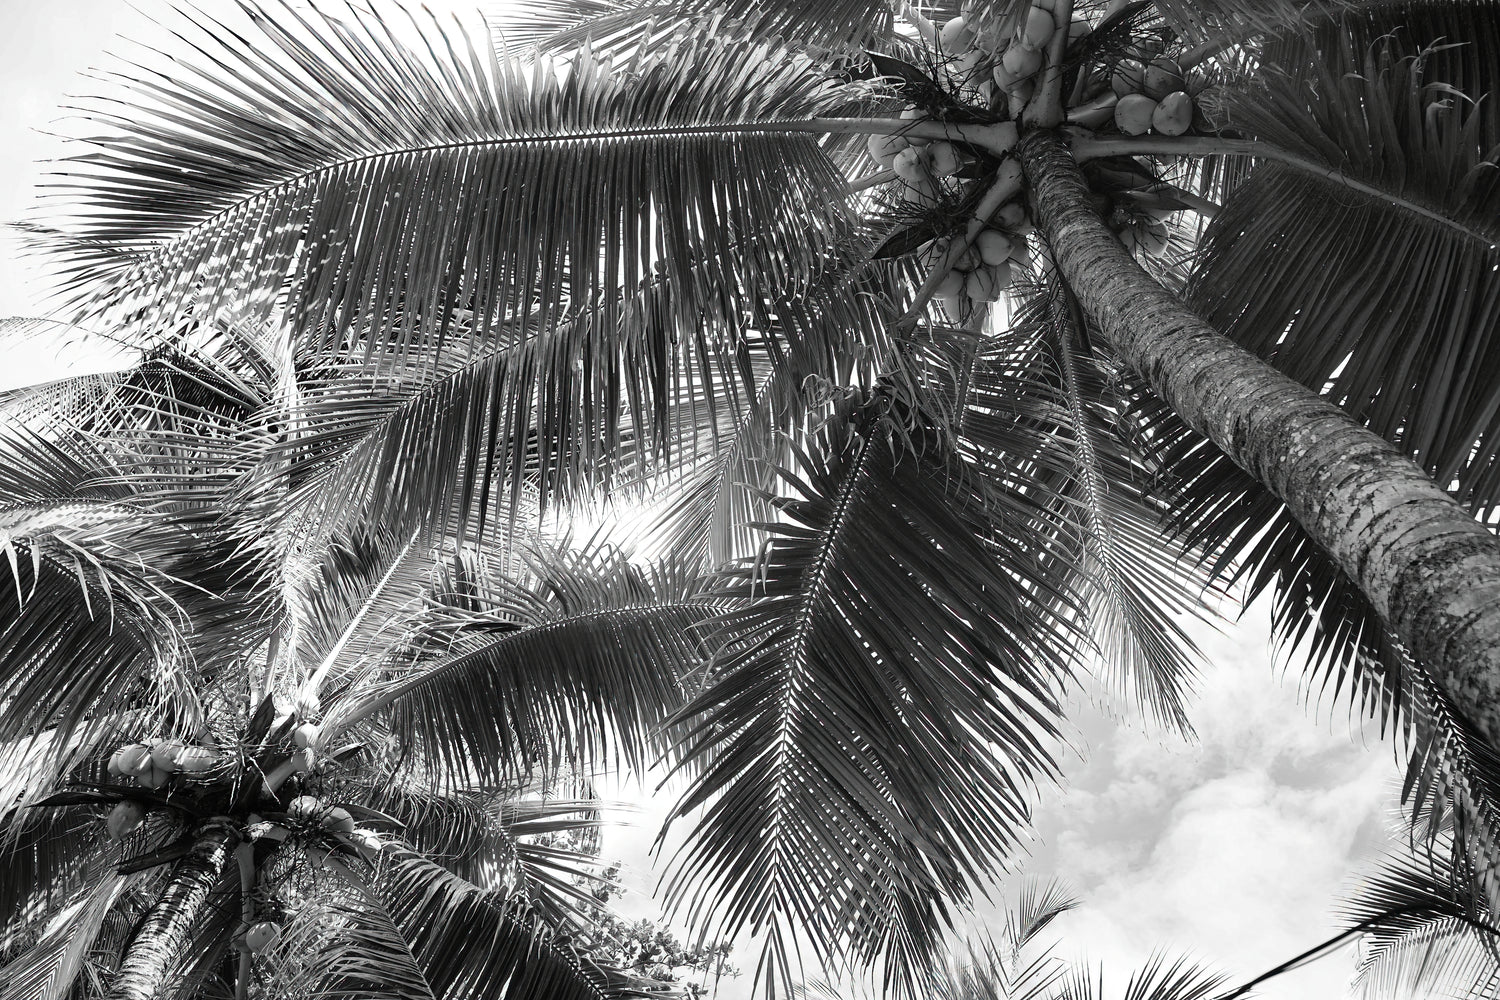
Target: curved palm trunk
(168, 927)
(1425, 565)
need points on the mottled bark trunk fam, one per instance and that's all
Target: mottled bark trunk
(1426, 566)
(168, 928)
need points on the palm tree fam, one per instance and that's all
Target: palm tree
(171, 831)
(664, 251)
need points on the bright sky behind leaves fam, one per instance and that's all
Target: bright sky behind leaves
(1232, 850)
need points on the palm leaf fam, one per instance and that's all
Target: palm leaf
(507, 180)
(469, 943)
(48, 970)
(1391, 313)
(580, 653)
(1427, 932)
(886, 681)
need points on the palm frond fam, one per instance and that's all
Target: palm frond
(44, 856)
(499, 841)
(1427, 931)
(582, 653)
(469, 943)
(1135, 583)
(887, 679)
(1391, 314)
(94, 607)
(47, 971)
(446, 182)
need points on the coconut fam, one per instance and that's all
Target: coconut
(956, 36)
(1011, 215)
(1021, 62)
(1174, 115)
(1133, 114)
(1019, 95)
(987, 283)
(1151, 238)
(164, 754)
(336, 819)
(951, 285)
(130, 760)
(261, 936)
(196, 760)
(154, 777)
(1036, 31)
(1003, 77)
(994, 247)
(1163, 76)
(910, 164)
(954, 304)
(944, 159)
(124, 819)
(1129, 77)
(306, 735)
(305, 807)
(883, 148)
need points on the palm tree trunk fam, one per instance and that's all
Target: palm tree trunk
(1428, 568)
(168, 928)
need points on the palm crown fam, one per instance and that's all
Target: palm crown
(746, 256)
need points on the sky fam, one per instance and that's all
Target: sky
(1231, 850)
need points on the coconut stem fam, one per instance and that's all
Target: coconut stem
(999, 193)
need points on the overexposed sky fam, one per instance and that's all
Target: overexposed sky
(1231, 850)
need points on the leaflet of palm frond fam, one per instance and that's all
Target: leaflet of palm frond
(1381, 303)
(1247, 20)
(48, 969)
(44, 855)
(1039, 419)
(1428, 930)
(471, 944)
(487, 837)
(447, 182)
(582, 656)
(888, 677)
(99, 595)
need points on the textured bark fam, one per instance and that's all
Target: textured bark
(168, 928)
(1425, 565)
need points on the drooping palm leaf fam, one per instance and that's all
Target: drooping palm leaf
(1392, 313)
(886, 682)
(1427, 932)
(472, 944)
(580, 654)
(383, 185)
(1134, 584)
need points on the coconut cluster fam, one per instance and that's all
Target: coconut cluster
(997, 65)
(153, 764)
(1152, 92)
